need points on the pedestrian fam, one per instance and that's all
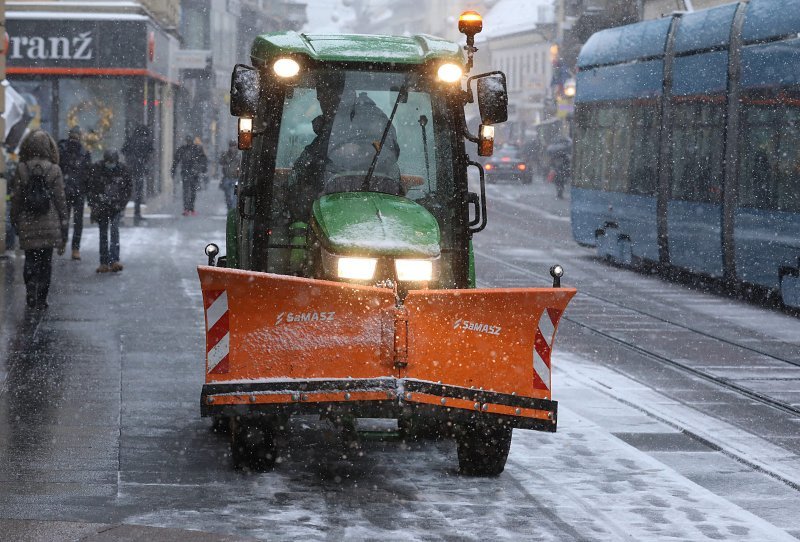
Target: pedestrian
(75, 162)
(192, 161)
(11, 168)
(109, 190)
(560, 162)
(39, 213)
(231, 162)
(138, 150)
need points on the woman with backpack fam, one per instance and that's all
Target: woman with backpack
(39, 213)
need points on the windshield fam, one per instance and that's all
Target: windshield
(332, 126)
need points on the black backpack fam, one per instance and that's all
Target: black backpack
(36, 198)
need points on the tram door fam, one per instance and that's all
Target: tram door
(694, 210)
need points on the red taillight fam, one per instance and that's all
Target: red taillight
(505, 159)
(521, 167)
(488, 167)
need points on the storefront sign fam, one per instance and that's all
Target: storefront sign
(76, 43)
(38, 48)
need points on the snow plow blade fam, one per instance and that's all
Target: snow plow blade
(280, 345)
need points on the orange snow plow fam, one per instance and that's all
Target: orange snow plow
(283, 345)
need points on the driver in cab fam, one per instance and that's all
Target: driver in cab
(347, 140)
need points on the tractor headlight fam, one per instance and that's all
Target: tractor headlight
(450, 73)
(286, 67)
(414, 270)
(356, 268)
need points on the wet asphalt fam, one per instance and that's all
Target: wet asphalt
(101, 438)
(99, 396)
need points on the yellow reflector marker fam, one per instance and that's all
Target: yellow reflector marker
(450, 73)
(414, 270)
(286, 67)
(356, 268)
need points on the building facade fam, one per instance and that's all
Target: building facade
(68, 61)
(517, 39)
(223, 30)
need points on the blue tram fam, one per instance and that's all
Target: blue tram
(687, 144)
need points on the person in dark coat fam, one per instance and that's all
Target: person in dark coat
(109, 191)
(138, 150)
(230, 162)
(561, 164)
(11, 168)
(193, 163)
(75, 162)
(39, 232)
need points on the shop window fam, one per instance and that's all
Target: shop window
(39, 97)
(100, 106)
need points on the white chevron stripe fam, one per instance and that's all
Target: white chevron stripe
(546, 327)
(218, 353)
(541, 368)
(217, 309)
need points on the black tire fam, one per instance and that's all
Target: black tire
(221, 425)
(483, 449)
(253, 444)
(422, 428)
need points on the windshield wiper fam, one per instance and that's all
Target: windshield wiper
(402, 96)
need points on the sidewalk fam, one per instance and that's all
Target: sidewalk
(75, 424)
(65, 531)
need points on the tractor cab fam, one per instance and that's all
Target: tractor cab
(356, 170)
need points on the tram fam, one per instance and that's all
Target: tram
(687, 144)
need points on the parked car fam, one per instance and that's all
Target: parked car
(507, 163)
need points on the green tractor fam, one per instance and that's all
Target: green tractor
(348, 287)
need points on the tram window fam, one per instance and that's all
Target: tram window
(588, 151)
(615, 146)
(697, 161)
(619, 151)
(788, 196)
(644, 147)
(769, 173)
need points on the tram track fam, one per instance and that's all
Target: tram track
(719, 381)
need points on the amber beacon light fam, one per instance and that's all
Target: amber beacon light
(469, 24)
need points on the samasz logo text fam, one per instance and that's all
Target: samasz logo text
(477, 327)
(311, 316)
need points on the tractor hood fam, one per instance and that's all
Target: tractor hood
(375, 224)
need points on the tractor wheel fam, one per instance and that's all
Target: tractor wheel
(422, 428)
(253, 444)
(483, 449)
(221, 425)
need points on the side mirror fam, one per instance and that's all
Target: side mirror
(492, 97)
(244, 91)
